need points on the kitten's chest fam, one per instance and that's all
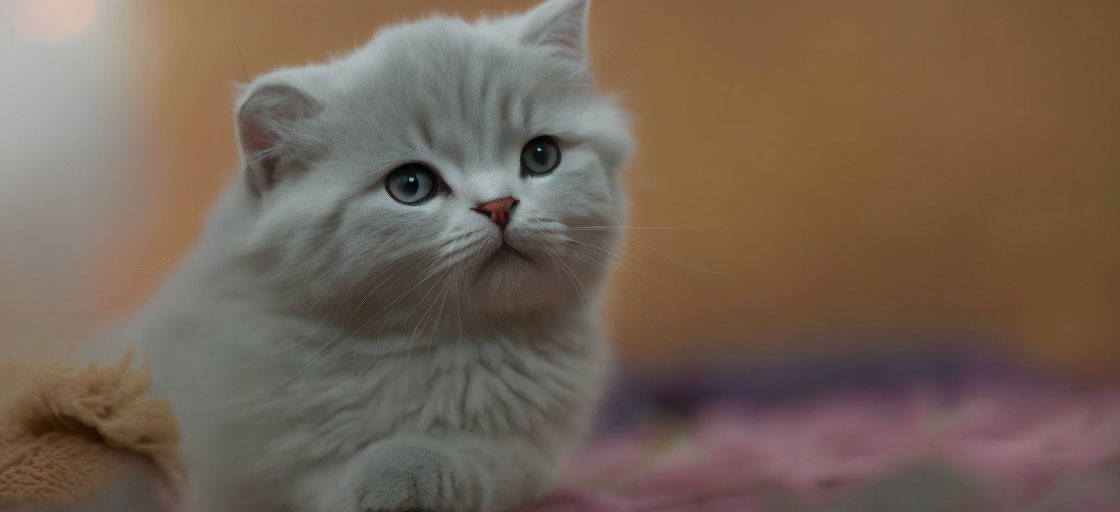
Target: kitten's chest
(491, 387)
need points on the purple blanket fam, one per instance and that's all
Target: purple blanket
(922, 441)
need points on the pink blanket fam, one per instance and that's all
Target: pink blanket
(989, 448)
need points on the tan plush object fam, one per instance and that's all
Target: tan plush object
(68, 435)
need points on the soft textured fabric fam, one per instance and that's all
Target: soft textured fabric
(983, 447)
(75, 435)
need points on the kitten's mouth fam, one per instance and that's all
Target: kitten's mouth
(507, 251)
(504, 255)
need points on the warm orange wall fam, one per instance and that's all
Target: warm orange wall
(860, 164)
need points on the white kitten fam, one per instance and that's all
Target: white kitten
(394, 304)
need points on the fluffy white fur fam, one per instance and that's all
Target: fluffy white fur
(330, 349)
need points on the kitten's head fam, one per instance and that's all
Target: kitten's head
(443, 159)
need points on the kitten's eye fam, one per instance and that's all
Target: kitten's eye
(412, 184)
(540, 156)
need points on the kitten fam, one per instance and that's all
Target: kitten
(394, 305)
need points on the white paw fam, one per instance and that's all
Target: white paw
(399, 476)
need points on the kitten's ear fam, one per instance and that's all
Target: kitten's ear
(560, 25)
(269, 118)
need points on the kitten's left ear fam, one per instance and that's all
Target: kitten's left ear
(560, 25)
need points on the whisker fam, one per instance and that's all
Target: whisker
(333, 343)
(670, 258)
(420, 302)
(626, 228)
(322, 321)
(419, 323)
(593, 246)
(572, 277)
(453, 258)
(354, 364)
(459, 316)
(352, 315)
(396, 302)
(566, 77)
(618, 257)
(439, 316)
(625, 264)
(422, 322)
(625, 286)
(477, 322)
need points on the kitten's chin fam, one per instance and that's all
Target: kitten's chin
(511, 280)
(505, 267)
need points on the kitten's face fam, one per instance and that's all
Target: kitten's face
(451, 162)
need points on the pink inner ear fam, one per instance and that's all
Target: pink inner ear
(561, 25)
(254, 138)
(269, 113)
(266, 123)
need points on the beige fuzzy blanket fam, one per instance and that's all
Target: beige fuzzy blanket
(86, 438)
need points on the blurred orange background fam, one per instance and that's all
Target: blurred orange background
(823, 176)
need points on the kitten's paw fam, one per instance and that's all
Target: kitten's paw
(399, 476)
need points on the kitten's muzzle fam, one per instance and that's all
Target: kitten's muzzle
(499, 210)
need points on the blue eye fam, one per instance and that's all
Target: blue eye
(412, 184)
(540, 156)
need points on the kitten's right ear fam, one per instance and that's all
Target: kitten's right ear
(269, 122)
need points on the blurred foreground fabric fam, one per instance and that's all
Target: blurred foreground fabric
(914, 435)
(86, 439)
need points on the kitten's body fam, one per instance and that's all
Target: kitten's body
(328, 349)
(266, 430)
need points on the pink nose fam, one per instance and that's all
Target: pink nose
(498, 210)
